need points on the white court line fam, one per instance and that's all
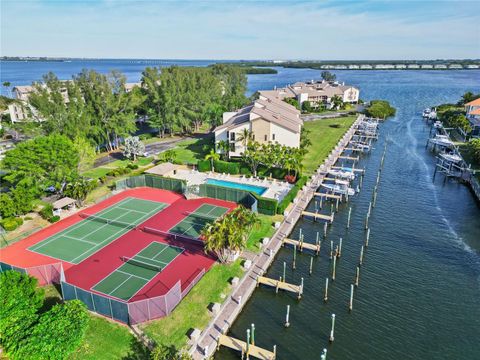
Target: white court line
(157, 262)
(110, 239)
(126, 273)
(123, 282)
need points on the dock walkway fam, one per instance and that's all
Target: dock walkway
(208, 340)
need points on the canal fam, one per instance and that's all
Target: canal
(419, 291)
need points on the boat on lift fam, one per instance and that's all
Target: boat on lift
(438, 125)
(441, 140)
(357, 145)
(349, 175)
(451, 157)
(426, 113)
(340, 187)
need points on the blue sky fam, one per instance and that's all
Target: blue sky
(362, 29)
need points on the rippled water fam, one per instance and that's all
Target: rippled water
(419, 292)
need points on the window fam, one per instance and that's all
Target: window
(253, 137)
(266, 137)
(232, 136)
(232, 147)
(273, 137)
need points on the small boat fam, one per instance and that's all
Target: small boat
(451, 157)
(350, 175)
(360, 146)
(339, 187)
(426, 112)
(441, 140)
(437, 125)
(432, 115)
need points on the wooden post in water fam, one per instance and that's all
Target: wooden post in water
(284, 270)
(357, 276)
(350, 306)
(332, 331)
(311, 265)
(294, 256)
(368, 237)
(336, 205)
(300, 293)
(331, 208)
(361, 181)
(287, 318)
(321, 202)
(253, 334)
(374, 198)
(324, 355)
(340, 248)
(331, 249)
(248, 344)
(366, 222)
(325, 230)
(334, 268)
(317, 241)
(361, 255)
(325, 296)
(349, 215)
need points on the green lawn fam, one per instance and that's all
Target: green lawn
(192, 312)
(324, 135)
(265, 229)
(100, 171)
(190, 151)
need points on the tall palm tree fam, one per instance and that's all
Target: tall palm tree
(245, 136)
(212, 156)
(224, 147)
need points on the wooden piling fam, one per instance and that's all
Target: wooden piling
(311, 266)
(332, 331)
(361, 255)
(368, 237)
(336, 205)
(374, 198)
(294, 256)
(325, 230)
(340, 248)
(325, 296)
(287, 318)
(349, 215)
(357, 276)
(331, 249)
(334, 268)
(324, 355)
(350, 306)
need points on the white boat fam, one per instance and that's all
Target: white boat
(339, 188)
(441, 140)
(426, 112)
(360, 146)
(350, 175)
(437, 125)
(454, 158)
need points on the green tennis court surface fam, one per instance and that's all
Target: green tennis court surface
(79, 241)
(125, 281)
(192, 225)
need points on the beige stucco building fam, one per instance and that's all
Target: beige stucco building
(269, 120)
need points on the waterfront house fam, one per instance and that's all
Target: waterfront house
(316, 92)
(267, 120)
(472, 110)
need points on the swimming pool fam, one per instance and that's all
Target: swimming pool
(259, 190)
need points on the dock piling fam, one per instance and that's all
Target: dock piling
(350, 306)
(311, 265)
(334, 268)
(368, 237)
(331, 249)
(340, 248)
(324, 355)
(349, 215)
(294, 256)
(361, 255)
(325, 230)
(325, 296)
(357, 276)
(287, 317)
(332, 331)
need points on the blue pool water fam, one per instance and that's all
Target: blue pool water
(259, 190)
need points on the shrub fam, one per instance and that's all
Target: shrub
(19, 221)
(26, 218)
(204, 165)
(54, 219)
(290, 179)
(291, 194)
(335, 126)
(103, 179)
(132, 166)
(226, 167)
(265, 205)
(380, 109)
(47, 211)
(9, 224)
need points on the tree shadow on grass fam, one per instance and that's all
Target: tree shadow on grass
(138, 351)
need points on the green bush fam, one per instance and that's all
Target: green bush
(266, 206)
(204, 165)
(291, 194)
(9, 224)
(27, 218)
(103, 179)
(118, 171)
(19, 221)
(132, 166)
(380, 109)
(47, 211)
(232, 168)
(54, 219)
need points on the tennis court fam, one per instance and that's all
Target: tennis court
(192, 225)
(125, 281)
(81, 240)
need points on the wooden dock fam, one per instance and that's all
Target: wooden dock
(318, 216)
(328, 196)
(302, 245)
(356, 158)
(277, 284)
(340, 168)
(252, 350)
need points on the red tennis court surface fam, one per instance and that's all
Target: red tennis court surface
(185, 267)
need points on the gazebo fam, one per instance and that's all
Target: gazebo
(63, 203)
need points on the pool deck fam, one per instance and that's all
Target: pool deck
(276, 189)
(206, 344)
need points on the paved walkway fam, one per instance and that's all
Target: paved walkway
(207, 342)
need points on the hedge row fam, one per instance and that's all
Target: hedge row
(291, 194)
(232, 168)
(10, 224)
(266, 206)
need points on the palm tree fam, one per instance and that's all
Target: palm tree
(7, 85)
(245, 136)
(223, 146)
(337, 102)
(212, 156)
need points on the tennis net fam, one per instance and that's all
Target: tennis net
(202, 216)
(136, 262)
(170, 235)
(108, 221)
